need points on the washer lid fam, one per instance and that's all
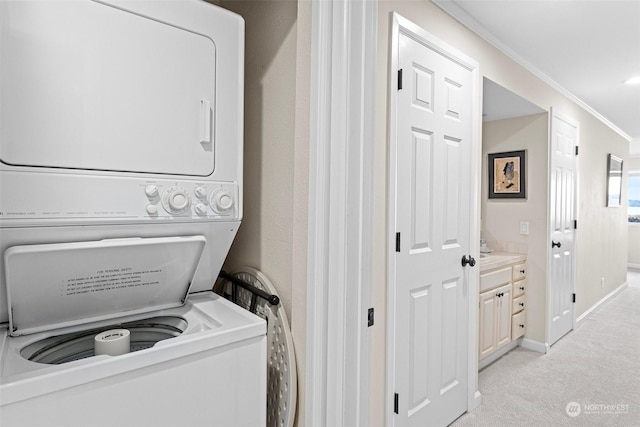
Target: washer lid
(65, 284)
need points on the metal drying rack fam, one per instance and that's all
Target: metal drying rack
(255, 292)
(251, 289)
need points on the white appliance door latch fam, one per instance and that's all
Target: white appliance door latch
(205, 121)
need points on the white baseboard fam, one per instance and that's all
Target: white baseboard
(540, 347)
(634, 266)
(497, 354)
(477, 398)
(606, 298)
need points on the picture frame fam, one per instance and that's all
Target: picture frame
(507, 175)
(614, 180)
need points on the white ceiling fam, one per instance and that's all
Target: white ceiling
(587, 48)
(499, 103)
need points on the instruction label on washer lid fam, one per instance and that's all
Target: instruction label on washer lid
(111, 280)
(64, 284)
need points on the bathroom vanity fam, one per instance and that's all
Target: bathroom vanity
(502, 304)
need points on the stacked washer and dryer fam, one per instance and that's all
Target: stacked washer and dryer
(120, 195)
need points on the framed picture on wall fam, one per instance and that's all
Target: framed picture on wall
(507, 175)
(614, 180)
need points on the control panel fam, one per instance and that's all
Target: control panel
(201, 200)
(69, 200)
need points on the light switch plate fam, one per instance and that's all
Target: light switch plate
(524, 227)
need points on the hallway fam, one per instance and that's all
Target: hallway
(591, 377)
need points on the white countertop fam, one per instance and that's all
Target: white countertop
(499, 259)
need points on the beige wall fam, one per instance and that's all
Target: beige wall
(501, 218)
(273, 235)
(634, 229)
(265, 239)
(602, 233)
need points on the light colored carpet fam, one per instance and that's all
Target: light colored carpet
(596, 366)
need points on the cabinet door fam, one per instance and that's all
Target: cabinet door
(503, 323)
(488, 310)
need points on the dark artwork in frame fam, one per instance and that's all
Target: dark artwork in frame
(507, 175)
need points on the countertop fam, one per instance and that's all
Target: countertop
(499, 259)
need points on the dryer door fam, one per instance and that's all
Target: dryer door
(84, 85)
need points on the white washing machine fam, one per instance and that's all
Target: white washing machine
(120, 196)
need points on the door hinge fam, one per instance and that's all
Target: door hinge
(370, 318)
(574, 298)
(395, 403)
(400, 79)
(576, 150)
(575, 224)
(397, 242)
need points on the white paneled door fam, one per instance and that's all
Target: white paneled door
(562, 206)
(433, 129)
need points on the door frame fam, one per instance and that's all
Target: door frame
(340, 227)
(399, 24)
(576, 175)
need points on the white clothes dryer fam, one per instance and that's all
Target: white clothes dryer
(120, 195)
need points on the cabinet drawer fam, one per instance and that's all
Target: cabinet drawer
(518, 326)
(518, 304)
(519, 288)
(519, 271)
(494, 279)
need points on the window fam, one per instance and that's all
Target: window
(634, 196)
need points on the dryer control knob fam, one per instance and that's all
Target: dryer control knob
(151, 190)
(201, 192)
(221, 201)
(179, 200)
(201, 209)
(176, 200)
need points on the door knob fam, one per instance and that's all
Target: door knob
(471, 261)
(555, 244)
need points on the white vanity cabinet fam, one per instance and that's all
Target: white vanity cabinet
(518, 324)
(495, 319)
(502, 303)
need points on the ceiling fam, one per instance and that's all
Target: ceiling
(499, 103)
(585, 48)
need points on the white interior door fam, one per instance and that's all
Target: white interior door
(433, 193)
(562, 203)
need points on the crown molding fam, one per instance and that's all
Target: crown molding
(460, 15)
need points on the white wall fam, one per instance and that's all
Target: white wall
(501, 217)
